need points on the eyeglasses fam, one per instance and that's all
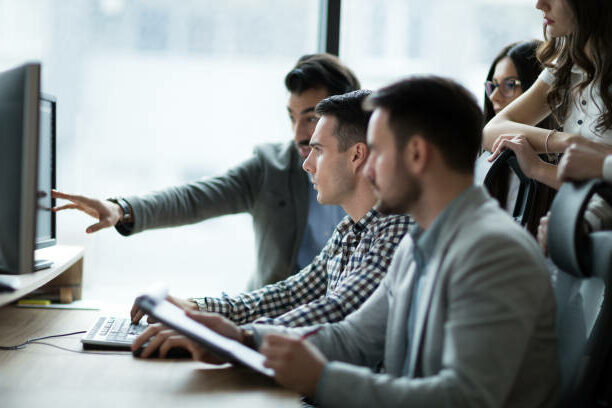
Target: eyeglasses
(507, 87)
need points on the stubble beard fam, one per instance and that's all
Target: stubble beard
(405, 198)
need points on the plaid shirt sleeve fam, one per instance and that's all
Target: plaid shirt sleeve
(275, 299)
(365, 270)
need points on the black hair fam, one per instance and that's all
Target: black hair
(528, 68)
(352, 119)
(314, 71)
(440, 110)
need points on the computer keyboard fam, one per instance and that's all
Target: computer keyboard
(113, 332)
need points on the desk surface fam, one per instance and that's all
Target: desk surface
(41, 375)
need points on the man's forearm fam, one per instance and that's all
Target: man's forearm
(324, 310)
(335, 306)
(231, 193)
(271, 300)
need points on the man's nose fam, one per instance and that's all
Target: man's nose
(307, 165)
(540, 5)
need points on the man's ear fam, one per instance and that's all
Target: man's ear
(359, 156)
(417, 154)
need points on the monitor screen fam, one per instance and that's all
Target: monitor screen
(19, 134)
(45, 218)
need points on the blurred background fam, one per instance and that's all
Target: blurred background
(153, 93)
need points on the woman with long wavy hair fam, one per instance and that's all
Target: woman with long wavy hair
(576, 87)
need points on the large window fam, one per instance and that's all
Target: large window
(388, 39)
(155, 93)
(158, 92)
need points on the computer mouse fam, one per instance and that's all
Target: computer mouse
(173, 353)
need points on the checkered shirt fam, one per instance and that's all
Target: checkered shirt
(345, 273)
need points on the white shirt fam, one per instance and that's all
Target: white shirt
(582, 115)
(584, 109)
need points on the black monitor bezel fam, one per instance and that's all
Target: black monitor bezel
(39, 244)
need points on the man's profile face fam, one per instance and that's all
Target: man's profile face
(395, 186)
(330, 170)
(302, 115)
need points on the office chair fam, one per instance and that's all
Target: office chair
(582, 290)
(527, 189)
(533, 199)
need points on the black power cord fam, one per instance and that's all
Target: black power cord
(38, 341)
(23, 345)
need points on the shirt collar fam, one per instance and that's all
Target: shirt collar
(577, 70)
(574, 70)
(425, 240)
(360, 225)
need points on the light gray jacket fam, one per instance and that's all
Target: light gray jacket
(484, 333)
(271, 186)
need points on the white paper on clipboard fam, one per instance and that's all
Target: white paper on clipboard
(155, 304)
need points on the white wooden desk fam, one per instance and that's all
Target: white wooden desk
(44, 376)
(64, 277)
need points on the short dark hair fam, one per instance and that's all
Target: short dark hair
(440, 110)
(321, 71)
(352, 119)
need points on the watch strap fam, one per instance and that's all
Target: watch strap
(125, 207)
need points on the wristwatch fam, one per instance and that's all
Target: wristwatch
(125, 207)
(248, 338)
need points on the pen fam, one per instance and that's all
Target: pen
(310, 333)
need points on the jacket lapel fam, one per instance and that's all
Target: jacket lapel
(399, 322)
(422, 312)
(434, 271)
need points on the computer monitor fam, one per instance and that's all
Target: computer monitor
(19, 133)
(45, 217)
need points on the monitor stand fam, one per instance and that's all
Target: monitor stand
(65, 278)
(41, 264)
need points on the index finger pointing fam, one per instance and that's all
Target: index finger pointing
(79, 199)
(59, 194)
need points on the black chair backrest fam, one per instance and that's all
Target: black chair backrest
(527, 189)
(533, 199)
(582, 289)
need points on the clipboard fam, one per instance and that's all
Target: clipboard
(155, 304)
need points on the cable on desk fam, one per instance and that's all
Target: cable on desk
(23, 345)
(38, 341)
(106, 353)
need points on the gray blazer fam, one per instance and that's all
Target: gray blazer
(485, 338)
(271, 186)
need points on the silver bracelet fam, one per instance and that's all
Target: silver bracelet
(552, 132)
